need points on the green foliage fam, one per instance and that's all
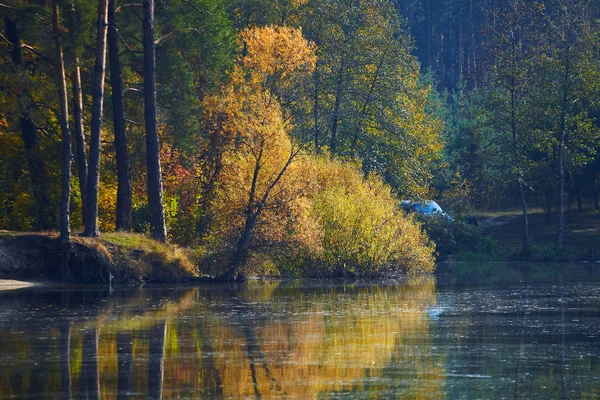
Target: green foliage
(195, 49)
(457, 236)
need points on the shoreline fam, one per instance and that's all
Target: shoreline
(14, 284)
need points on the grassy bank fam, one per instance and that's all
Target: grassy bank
(112, 258)
(581, 234)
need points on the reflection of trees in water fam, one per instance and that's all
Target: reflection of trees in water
(65, 364)
(90, 380)
(248, 342)
(245, 317)
(37, 381)
(212, 382)
(293, 341)
(156, 360)
(125, 360)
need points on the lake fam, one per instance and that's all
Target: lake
(475, 331)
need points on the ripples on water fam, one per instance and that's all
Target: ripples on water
(526, 335)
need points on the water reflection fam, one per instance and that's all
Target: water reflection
(413, 340)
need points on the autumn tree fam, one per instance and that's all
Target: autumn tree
(257, 150)
(365, 99)
(572, 53)
(19, 95)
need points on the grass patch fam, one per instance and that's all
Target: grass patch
(149, 258)
(581, 234)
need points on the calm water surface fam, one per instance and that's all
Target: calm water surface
(485, 332)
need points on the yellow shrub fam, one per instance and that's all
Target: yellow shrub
(363, 231)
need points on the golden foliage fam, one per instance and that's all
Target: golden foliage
(279, 52)
(316, 208)
(258, 178)
(364, 232)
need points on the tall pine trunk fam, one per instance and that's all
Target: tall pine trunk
(80, 154)
(45, 217)
(93, 178)
(154, 174)
(90, 379)
(124, 190)
(65, 357)
(65, 197)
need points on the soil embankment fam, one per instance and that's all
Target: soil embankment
(118, 258)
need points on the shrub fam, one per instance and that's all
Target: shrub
(456, 236)
(362, 231)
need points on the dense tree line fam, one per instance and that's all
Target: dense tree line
(239, 128)
(249, 129)
(528, 131)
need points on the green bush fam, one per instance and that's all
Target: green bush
(457, 237)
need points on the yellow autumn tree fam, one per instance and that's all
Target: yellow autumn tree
(256, 188)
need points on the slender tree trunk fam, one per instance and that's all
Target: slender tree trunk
(154, 174)
(472, 63)
(336, 110)
(93, 178)
(596, 202)
(525, 249)
(124, 190)
(65, 229)
(45, 217)
(367, 101)
(548, 196)
(80, 154)
(156, 360)
(254, 208)
(561, 166)
(316, 107)
(429, 33)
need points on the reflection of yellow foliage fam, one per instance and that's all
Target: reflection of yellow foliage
(302, 342)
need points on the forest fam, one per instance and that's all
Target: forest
(279, 137)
